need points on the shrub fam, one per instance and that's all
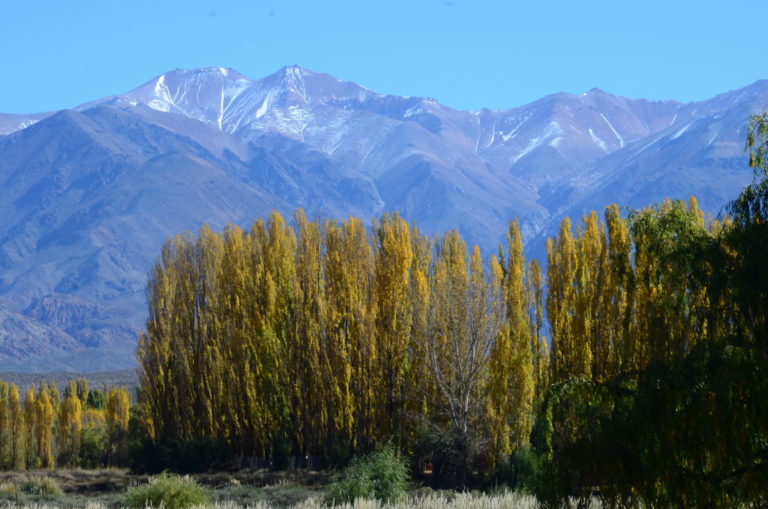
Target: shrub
(8, 490)
(93, 447)
(168, 491)
(45, 487)
(381, 475)
(517, 472)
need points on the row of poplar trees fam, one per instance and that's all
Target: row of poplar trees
(325, 335)
(45, 429)
(328, 334)
(621, 293)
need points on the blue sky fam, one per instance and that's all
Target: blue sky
(466, 54)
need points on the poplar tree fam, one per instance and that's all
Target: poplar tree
(568, 351)
(500, 366)
(32, 429)
(315, 414)
(534, 294)
(524, 345)
(589, 320)
(393, 258)
(511, 363)
(235, 301)
(81, 385)
(619, 297)
(69, 426)
(279, 315)
(117, 414)
(53, 392)
(44, 416)
(5, 428)
(420, 389)
(351, 318)
(16, 427)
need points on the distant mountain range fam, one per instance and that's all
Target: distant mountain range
(88, 195)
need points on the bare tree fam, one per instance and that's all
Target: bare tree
(465, 315)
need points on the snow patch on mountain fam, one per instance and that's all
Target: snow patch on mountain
(600, 143)
(552, 130)
(681, 131)
(613, 129)
(90, 194)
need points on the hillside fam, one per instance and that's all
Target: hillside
(88, 195)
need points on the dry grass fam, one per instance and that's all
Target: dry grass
(459, 501)
(79, 481)
(107, 489)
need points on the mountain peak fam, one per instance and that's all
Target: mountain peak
(227, 99)
(226, 72)
(294, 70)
(289, 78)
(91, 194)
(598, 93)
(294, 84)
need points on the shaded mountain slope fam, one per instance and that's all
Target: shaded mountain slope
(87, 196)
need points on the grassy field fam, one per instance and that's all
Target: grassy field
(459, 501)
(106, 489)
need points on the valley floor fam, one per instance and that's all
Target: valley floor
(106, 489)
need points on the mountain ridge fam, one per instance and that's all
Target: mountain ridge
(88, 195)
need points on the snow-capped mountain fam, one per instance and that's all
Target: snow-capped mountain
(88, 195)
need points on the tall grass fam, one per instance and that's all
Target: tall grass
(459, 501)
(169, 492)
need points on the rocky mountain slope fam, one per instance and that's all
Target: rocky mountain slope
(88, 195)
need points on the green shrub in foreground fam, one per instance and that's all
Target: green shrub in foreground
(381, 475)
(40, 486)
(168, 491)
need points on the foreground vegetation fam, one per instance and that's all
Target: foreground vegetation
(111, 489)
(459, 501)
(305, 347)
(321, 341)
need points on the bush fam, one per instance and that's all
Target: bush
(44, 487)
(518, 472)
(168, 491)
(8, 490)
(93, 447)
(381, 475)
